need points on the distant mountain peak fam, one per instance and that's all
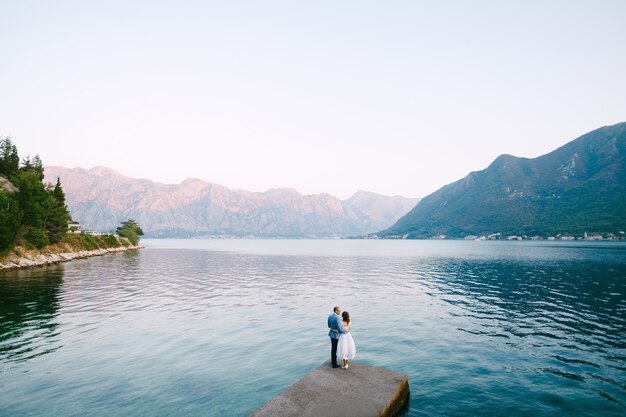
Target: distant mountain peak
(194, 181)
(102, 170)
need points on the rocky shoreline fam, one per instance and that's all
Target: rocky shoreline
(42, 259)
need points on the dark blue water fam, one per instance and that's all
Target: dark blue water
(218, 328)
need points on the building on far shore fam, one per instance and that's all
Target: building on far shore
(73, 227)
(593, 236)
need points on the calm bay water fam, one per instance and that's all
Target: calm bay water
(219, 327)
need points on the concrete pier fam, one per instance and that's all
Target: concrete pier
(359, 391)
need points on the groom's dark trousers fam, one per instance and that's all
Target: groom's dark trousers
(333, 351)
(334, 323)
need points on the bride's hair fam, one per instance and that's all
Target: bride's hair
(346, 317)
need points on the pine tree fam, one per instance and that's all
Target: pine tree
(58, 192)
(9, 159)
(56, 215)
(34, 164)
(32, 197)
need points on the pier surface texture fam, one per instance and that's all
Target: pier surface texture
(359, 391)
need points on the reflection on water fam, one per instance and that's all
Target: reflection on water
(29, 303)
(570, 315)
(216, 328)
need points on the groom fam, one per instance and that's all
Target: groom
(335, 326)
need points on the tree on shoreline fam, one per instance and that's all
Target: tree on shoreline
(130, 230)
(57, 214)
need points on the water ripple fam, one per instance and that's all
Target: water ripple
(219, 327)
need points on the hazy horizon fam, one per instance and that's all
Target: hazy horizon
(396, 99)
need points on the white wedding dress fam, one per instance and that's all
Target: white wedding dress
(346, 349)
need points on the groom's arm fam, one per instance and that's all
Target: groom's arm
(340, 328)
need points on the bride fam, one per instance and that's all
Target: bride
(346, 349)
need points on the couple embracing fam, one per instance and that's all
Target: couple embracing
(341, 342)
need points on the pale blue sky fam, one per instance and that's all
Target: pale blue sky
(396, 97)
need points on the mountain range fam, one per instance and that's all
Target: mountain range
(579, 187)
(100, 198)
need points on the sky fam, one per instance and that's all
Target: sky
(394, 97)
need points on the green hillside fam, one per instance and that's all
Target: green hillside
(580, 187)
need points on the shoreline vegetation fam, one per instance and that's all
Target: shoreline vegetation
(73, 246)
(36, 227)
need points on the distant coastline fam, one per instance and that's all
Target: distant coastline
(619, 236)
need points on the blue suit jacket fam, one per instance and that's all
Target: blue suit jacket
(334, 322)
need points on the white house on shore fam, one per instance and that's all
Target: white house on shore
(73, 227)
